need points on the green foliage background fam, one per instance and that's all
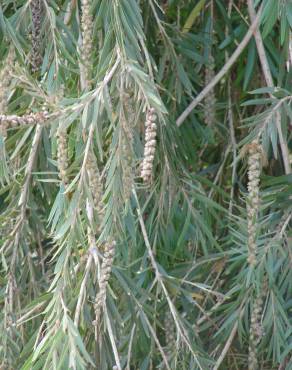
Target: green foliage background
(181, 292)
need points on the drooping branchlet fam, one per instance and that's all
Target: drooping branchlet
(105, 272)
(12, 121)
(210, 100)
(62, 154)
(36, 54)
(254, 151)
(256, 332)
(150, 145)
(87, 28)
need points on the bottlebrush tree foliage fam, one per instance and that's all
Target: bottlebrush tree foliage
(146, 186)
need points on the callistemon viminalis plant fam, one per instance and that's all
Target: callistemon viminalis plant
(62, 154)
(36, 44)
(86, 49)
(256, 332)
(150, 146)
(210, 100)
(254, 152)
(105, 272)
(5, 79)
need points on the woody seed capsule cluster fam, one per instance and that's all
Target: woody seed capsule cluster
(169, 328)
(11, 121)
(254, 167)
(127, 177)
(36, 56)
(150, 145)
(5, 78)
(210, 100)
(87, 27)
(256, 333)
(105, 272)
(94, 183)
(62, 154)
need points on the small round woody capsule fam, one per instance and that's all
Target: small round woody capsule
(151, 118)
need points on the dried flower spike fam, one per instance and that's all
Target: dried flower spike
(95, 184)
(5, 79)
(210, 100)
(62, 154)
(127, 176)
(105, 272)
(150, 145)
(169, 328)
(255, 334)
(127, 147)
(12, 121)
(87, 28)
(36, 55)
(254, 168)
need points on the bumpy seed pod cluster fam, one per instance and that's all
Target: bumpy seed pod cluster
(127, 176)
(5, 79)
(210, 100)
(87, 27)
(95, 184)
(254, 168)
(36, 55)
(105, 272)
(62, 154)
(150, 145)
(12, 121)
(256, 333)
(170, 339)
